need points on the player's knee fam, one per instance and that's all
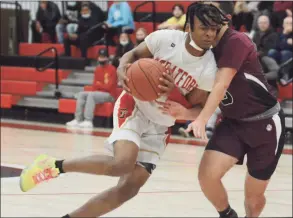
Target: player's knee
(254, 202)
(206, 175)
(121, 167)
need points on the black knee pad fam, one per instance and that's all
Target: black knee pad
(148, 166)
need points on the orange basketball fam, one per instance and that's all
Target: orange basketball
(144, 76)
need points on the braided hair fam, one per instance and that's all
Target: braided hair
(204, 12)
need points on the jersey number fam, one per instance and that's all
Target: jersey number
(228, 99)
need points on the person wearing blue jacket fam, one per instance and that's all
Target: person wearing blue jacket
(283, 50)
(119, 20)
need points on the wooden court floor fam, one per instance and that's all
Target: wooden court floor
(172, 191)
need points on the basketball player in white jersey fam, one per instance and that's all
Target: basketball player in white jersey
(140, 133)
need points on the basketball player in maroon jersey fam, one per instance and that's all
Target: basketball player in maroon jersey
(253, 123)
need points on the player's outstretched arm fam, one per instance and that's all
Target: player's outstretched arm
(222, 82)
(141, 51)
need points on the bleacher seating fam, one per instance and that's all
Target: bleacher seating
(31, 74)
(23, 88)
(285, 92)
(32, 49)
(7, 100)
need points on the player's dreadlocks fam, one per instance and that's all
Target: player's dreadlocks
(204, 12)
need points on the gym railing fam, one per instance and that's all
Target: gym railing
(54, 63)
(152, 15)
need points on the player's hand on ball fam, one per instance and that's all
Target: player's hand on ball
(172, 108)
(199, 129)
(122, 78)
(167, 83)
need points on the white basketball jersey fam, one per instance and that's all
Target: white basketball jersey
(168, 47)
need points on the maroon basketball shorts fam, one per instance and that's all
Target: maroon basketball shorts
(262, 141)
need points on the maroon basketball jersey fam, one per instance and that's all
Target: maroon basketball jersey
(249, 93)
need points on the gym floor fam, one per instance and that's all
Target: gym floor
(172, 191)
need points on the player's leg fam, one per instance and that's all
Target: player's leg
(222, 152)
(127, 187)
(93, 99)
(45, 167)
(123, 162)
(262, 162)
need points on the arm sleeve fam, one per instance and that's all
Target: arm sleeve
(233, 54)
(125, 13)
(154, 40)
(110, 16)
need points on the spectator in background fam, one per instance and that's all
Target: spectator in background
(140, 35)
(47, 17)
(97, 12)
(125, 45)
(177, 21)
(83, 38)
(242, 16)
(265, 38)
(69, 21)
(119, 20)
(104, 85)
(283, 50)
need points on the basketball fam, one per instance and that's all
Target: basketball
(144, 75)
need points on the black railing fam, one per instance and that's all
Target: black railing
(54, 63)
(153, 15)
(18, 16)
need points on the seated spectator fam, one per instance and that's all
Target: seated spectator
(97, 12)
(265, 38)
(69, 20)
(104, 85)
(119, 20)
(283, 50)
(83, 38)
(177, 21)
(125, 45)
(140, 35)
(47, 17)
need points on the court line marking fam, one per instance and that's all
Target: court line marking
(192, 142)
(143, 192)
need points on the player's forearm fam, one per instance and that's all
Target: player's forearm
(213, 101)
(127, 58)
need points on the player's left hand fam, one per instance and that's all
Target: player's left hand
(199, 129)
(167, 83)
(173, 109)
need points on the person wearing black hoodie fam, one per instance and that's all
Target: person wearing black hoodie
(47, 17)
(265, 38)
(84, 37)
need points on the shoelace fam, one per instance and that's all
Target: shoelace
(43, 176)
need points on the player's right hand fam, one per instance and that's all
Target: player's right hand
(122, 78)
